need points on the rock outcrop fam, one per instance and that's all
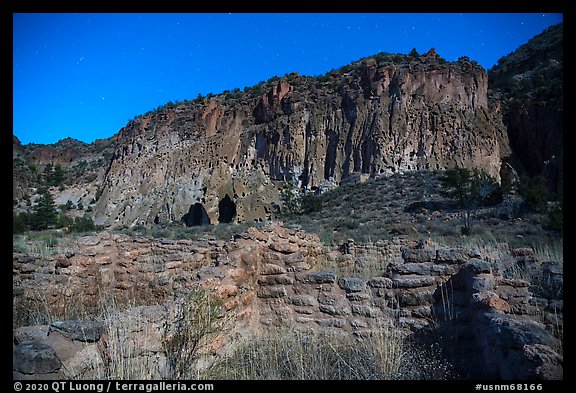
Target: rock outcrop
(528, 85)
(373, 117)
(269, 277)
(83, 168)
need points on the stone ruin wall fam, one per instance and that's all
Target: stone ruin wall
(274, 277)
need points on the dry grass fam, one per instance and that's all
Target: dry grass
(178, 231)
(291, 354)
(42, 245)
(126, 348)
(201, 318)
(286, 353)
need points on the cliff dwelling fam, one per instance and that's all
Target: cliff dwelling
(226, 209)
(196, 216)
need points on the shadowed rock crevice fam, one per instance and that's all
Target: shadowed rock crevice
(227, 210)
(196, 216)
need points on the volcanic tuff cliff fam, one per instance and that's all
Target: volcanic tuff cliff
(528, 83)
(223, 158)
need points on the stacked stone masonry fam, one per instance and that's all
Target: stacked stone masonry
(270, 277)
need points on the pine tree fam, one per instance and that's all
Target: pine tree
(57, 176)
(19, 222)
(44, 213)
(47, 174)
(470, 190)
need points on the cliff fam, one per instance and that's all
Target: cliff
(224, 158)
(83, 167)
(528, 83)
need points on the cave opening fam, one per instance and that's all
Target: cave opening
(196, 216)
(226, 210)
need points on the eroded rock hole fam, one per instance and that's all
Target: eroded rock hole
(226, 210)
(196, 216)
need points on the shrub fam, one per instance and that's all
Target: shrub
(470, 189)
(82, 224)
(555, 220)
(65, 221)
(291, 201)
(98, 193)
(201, 316)
(382, 57)
(296, 202)
(20, 222)
(534, 193)
(68, 206)
(310, 203)
(486, 189)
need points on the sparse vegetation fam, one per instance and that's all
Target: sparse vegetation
(221, 231)
(286, 353)
(411, 206)
(296, 202)
(470, 189)
(201, 317)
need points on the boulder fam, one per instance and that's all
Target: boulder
(414, 255)
(31, 357)
(270, 268)
(380, 282)
(271, 292)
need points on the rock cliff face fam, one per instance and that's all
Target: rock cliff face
(83, 168)
(529, 85)
(220, 159)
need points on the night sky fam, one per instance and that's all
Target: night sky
(86, 75)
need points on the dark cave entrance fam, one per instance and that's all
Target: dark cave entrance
(196, 216)
(226, 210)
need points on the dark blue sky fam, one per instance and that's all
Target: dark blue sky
(86, 75)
